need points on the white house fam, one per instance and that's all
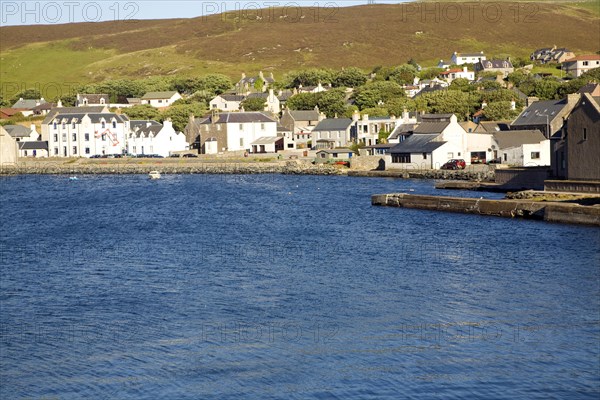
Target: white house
(85, 134)
(367, 129)
(455, 73)
(433, 141)
(331, 133)
(8, 148)
(233, 131)
(160, 99)
(580, 64)
(524, 148)
(27, 106)
(481, 148)
(28, 141)
(226, 102)
(150, 137)
(467, 58)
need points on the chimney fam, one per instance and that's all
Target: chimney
(243, 75)
(355, 115)
(260, 75)
(405, 115)
(271, 94)
(365, 117)
(513, 105)
(322, 116)
(191, 118)
(59, 103)
(167, 123)
(465, 69)
(531, 100)
(32, 127)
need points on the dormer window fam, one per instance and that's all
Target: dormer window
(103, 124)
(114, 124)
(85, 102)
(55, 125)
(102, 100)
(73, 125)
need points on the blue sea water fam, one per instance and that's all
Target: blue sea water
(270, 286)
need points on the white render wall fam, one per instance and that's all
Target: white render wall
(240, 136)
(61, 139)
(222, 104)
(164, 143)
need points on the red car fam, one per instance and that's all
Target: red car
(455, 163)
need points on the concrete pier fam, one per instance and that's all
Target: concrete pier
(547, 211)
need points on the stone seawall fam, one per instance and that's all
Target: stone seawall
(547, 211)
(466, 175)
(121, 168)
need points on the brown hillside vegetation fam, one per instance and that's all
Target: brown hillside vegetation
(362, 36)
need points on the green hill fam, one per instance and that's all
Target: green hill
(363, 36)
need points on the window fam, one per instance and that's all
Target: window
(87, 150)
(73, 125)
(401, 158)
(225, 106)
(241, 142)
(335, 155)
(114, 124)
(64, 137)
(56, 151)
(25, 151)
(103, 137)
(74, 137)
(103, 124)
(505, 157)
(215, 106)
(584, 133)
(56, 137)
(459, 153)
(241, 127)
(586, 63)
(87, 137)
(55, 125)
(262, 127)
(535, 155)
(424, 156)
(74, 149)
(160, 101)
(64, 125)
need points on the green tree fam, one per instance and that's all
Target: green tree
(309, 77)
(302, 101)
(397, 105)
(143, 112)
(27, 94)
(259, 84)
(216, 83)
(499, 111)
(371, 94)
(332, 102)
(455, 102)
(376, 112)
(546, 89)
(349, 77)
(180, 114)
(403, 74)
(254, 104)
(462, 84)
(430, 73)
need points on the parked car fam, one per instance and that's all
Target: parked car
(190, 155)
(175, 155)
(96, 156)
(455, 163)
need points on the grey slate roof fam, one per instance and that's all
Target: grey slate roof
(430, 127)
(260, 95)
(71, 110)
(239, 117)
(33, 145)
(507, 139)
(232, 97)
(147, 130)
(138, 123)
(487, 64)
(304, 115)
(28, 103)
(93, 98)
(536, 113)
(285, 94)
(17, 131)
(333, 124)
(417, 144)
(402, 130)
(94, 117)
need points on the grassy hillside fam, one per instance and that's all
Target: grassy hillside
(363, 36)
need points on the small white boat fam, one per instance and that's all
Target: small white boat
(154, 175)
